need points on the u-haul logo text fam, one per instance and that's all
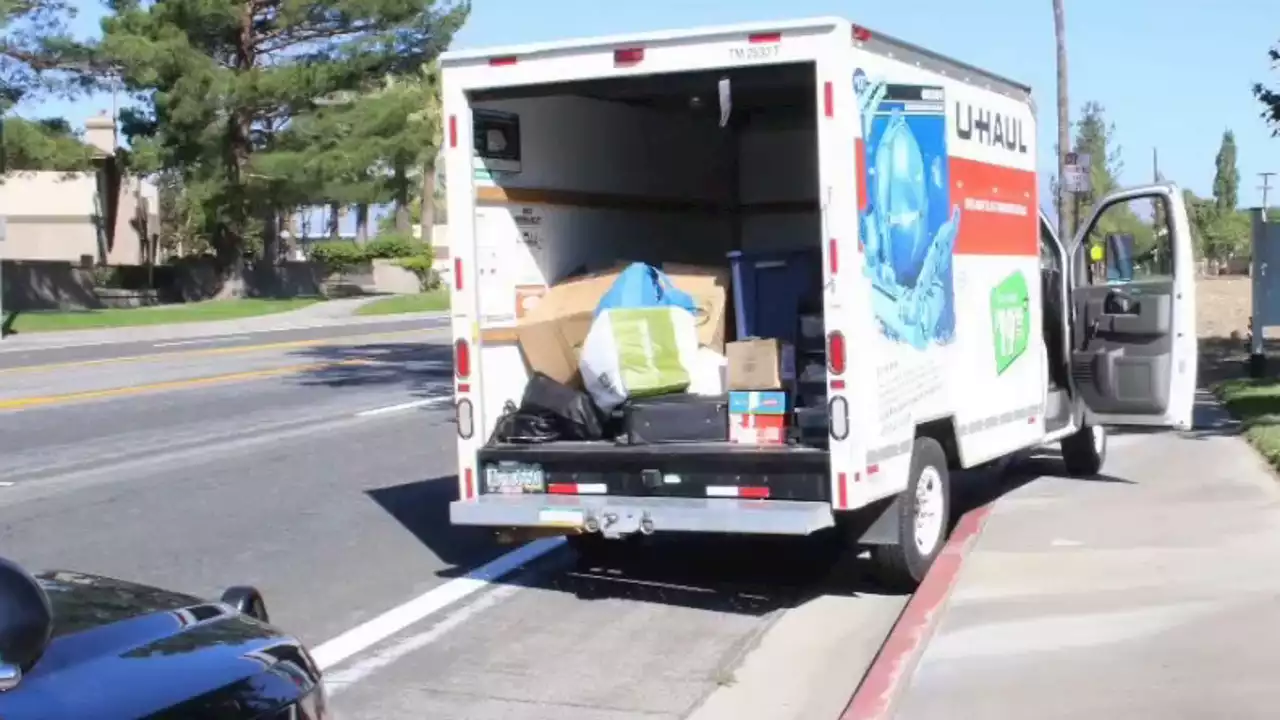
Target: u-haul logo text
(986, 127)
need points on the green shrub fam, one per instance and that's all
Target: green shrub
(339, 255)
(393, 245)
(420, 265)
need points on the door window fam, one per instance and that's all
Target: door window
(1132, 241)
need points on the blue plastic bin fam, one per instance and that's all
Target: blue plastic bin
(768, 289)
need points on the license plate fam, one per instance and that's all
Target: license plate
(514, 478)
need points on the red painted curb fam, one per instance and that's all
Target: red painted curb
(897, 659)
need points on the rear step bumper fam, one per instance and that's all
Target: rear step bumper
(616, 516)
(693, 471)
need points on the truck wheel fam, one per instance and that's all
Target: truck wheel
(924, 513)
(1084, 451)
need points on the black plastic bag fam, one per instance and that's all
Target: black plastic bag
(576, 416)
(518, 426)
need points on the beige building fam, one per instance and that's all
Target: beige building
(57, 216)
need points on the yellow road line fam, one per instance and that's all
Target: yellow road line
(30, 402)
(212, 352)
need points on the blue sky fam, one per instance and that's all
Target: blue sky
(1171, 76)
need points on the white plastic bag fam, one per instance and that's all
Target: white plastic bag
(708, 373)
(638, 352)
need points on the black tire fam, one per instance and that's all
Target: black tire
(1085, 451)
(903, 565)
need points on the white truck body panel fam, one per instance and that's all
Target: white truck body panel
(921, 162)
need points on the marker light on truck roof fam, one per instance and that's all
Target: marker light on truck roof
(835, 352)
(769, 37)
(861, 34)
(502, 61)
(628, 56)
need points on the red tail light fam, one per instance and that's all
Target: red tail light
(628, 56)
(828, 100)
(835, 353)
(453, 131)
(457, 273)
(462, 359)
(833, 256)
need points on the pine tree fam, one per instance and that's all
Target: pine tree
(221, 82)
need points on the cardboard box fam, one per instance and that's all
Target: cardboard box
(769, 402)
(552, 330)
(760, 364)
(755, 429)
(709, 287)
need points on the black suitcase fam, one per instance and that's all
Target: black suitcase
(675, 419)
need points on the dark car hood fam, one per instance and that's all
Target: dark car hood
(122, 650)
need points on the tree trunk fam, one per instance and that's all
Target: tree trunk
(362, 223)
(403, 220)
(334, 211)
(1066, 229)
(428, 201)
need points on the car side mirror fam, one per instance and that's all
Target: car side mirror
(246, 600)
(26, 623)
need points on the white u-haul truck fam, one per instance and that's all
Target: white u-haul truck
(959, 329)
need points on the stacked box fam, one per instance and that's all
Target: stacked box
(758, 417)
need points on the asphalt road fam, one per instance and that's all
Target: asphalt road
(322, 473)
(187, 346)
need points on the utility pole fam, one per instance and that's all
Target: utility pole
(1265, 187)
(1064, 121)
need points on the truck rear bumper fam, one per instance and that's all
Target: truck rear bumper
(616, 516)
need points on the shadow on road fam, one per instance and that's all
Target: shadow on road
(422, 508)
(743, 575)
(424, 370)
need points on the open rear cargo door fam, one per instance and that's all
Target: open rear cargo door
(1134, 350)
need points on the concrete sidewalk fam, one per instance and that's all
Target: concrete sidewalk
(339, 312)
(1150, 592)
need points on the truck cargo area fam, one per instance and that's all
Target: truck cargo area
(711, 176)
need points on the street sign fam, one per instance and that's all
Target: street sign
(1075, 175)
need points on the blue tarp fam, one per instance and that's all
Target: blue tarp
(642, 286)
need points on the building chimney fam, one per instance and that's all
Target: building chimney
(100, 134)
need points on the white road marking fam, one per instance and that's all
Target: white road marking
(336, 682)
(428, 402)
(202, 341)
(368, 634)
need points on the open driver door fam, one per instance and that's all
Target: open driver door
(1133, 310)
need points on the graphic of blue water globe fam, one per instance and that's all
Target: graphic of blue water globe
(902, 198)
